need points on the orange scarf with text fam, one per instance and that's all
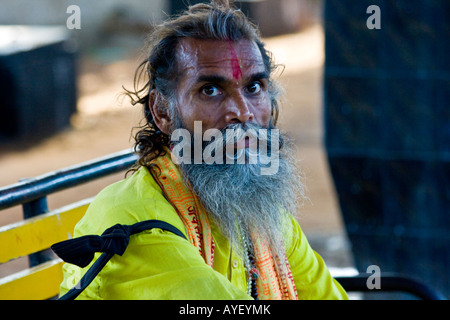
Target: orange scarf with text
(275, 281)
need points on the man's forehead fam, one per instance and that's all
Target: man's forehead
(202, 54)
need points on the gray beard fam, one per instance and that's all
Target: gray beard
(242, 202)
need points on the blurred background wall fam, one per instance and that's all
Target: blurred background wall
(39, 56)
(44, 66)
(387, 122)
(97, 17)
(105, 17)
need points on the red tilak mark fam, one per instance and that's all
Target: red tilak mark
(237, 72)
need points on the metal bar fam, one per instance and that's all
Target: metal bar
(390, 282)
(33, 209)
(41, 186)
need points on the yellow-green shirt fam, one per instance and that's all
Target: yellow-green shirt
(160, 265)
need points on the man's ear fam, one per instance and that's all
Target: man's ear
(159, 108)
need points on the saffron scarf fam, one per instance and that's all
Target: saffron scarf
(275, 281)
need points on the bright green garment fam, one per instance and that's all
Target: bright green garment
(160, 265)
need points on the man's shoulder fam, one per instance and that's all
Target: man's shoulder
(134, 190)
(134, 199)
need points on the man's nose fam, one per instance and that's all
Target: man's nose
(239, 111)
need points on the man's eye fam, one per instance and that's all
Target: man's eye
(210, 90)
(254, 87)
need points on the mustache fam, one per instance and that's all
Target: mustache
(237, 143)
(245, 137)
(248, 137)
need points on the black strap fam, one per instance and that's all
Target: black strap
(80, 251)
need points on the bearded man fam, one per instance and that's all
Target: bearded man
(238, 237)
